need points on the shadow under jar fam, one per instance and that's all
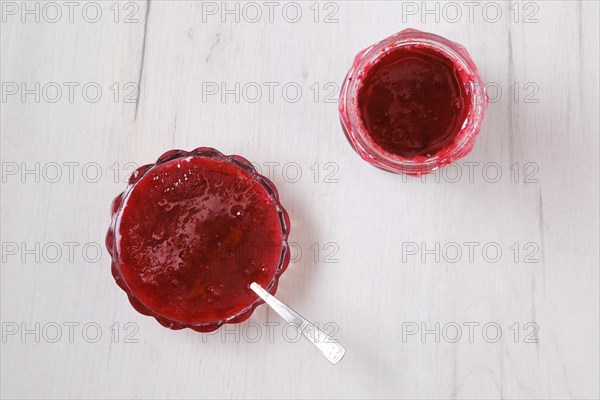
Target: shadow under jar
(191, 233)
(412, 103)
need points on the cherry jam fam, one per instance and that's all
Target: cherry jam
(412, 103)
(191, 234)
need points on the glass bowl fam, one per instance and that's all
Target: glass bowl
(113, 237)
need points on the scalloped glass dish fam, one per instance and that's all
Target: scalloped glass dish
(191, 232)
(404, 85)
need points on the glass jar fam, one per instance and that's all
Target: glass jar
(362, 141)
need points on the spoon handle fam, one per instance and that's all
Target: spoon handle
(328, 347)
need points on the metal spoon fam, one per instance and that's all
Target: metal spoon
(328, 347)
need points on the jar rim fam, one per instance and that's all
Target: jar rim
(357, 133)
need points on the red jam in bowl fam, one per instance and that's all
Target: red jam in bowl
(412, 103)
(191, 233)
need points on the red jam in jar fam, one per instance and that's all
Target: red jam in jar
(191, 233)
(412, 103)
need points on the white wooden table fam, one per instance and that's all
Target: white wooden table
(480, 281)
